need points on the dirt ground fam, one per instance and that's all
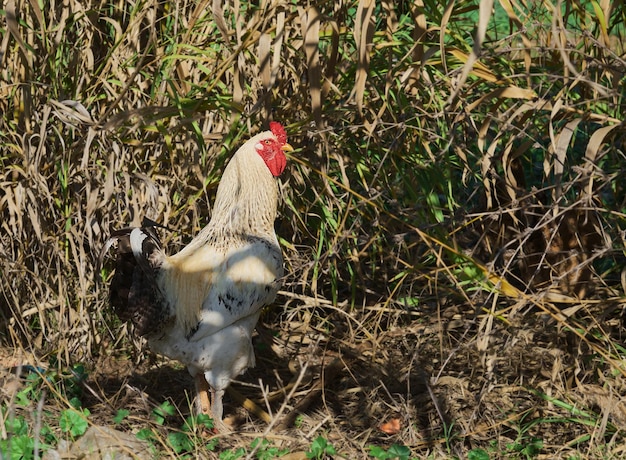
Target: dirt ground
(443, 383)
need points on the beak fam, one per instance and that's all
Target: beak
(287, 148)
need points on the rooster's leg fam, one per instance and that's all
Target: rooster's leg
(203, 404)
(211, 407)
(217, 409)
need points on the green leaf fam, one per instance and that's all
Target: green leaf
(17, 448)
(198, 421)
(399, 451)
(477, 454)
(16, 425)
(146, 434)
(161, 412)
(533, 448)
(180, 442)
(378, 452)
(233, 454)
(23, 397)
(319, 448)
(120, 416)
(76, 403)
(74, 422)
(396, 451)
(49, 437)
(79, 372)
(266, 451)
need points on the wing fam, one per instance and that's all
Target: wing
(215, 288)
(249, 281)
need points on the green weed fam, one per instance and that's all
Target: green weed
(74, 422)
(395, 451)
(320, 448)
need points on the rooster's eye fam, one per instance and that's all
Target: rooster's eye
(267, 142)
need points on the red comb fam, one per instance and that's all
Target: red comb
(278, 131)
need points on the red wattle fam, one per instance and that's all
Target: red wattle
(276, 164)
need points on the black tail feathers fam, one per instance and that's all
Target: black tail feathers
(134, 292)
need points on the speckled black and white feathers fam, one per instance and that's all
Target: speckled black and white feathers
(134, 292)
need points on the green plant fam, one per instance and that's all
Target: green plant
(147, 434)
(528, 447)
(449, 435)
(264, 450)
(395, 451)
(189, 438)
(477, 454)
(19, 444)
(74, 421)
(233, 454)
(120, 415)
(31, 390)
(163, 411)
(66, 384)
(320, 448)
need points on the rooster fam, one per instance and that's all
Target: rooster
(200, 306)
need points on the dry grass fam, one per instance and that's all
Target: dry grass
(453, 221)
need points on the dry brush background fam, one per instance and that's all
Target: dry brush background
(452, 221)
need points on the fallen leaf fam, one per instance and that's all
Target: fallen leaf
(391, 427)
